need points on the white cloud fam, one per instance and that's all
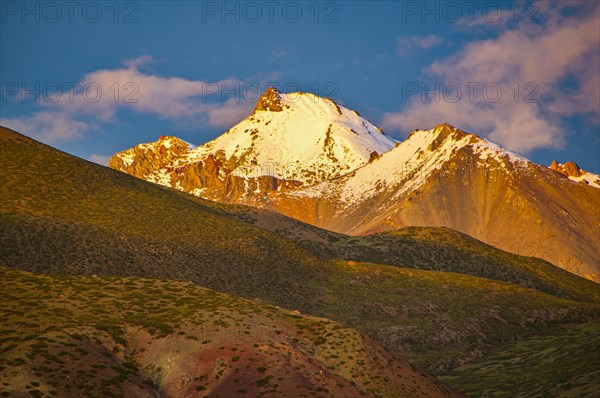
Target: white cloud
(100, 95)
(406, 44)
(565, 47)
(137, 62)
(47, 126)
(100, 159)
(230, 113)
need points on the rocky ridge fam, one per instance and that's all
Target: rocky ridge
(572, 171)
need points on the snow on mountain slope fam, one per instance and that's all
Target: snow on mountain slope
(298, 136)
(591, 179)
(445, 177)
(290, 140)
(407, 167)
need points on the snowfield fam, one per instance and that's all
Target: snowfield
(312, 139)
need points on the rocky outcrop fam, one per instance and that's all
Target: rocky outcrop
(270, 101)
(212, 178)
(374, 155)
(143, 160)
(570, 169)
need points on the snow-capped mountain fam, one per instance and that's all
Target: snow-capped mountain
(446, 177)
(299, 137)
(407, 167)
(313, 160)
(290, 140)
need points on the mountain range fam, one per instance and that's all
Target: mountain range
(311, 159)
(199, 271)
(447, 303)
(290, 140)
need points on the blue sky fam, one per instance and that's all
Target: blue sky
(525, 75)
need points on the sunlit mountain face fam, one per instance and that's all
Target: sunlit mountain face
(300, 199)
(323, 164)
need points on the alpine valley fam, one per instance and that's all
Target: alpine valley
(302, 253)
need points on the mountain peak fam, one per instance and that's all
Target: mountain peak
(167, 138)
(270, 101)
(296, 138)
(440, 133)
(447, 130)
(570, 169)
(139, 160)
(445, 127)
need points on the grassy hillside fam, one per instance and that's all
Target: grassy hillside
(63, 215)
(439, 319)
(565, 364)
(440, 249)
(113, 337)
